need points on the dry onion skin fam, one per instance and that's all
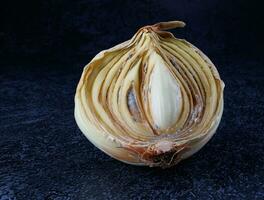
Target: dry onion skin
(153, 100)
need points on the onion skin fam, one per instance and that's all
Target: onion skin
(153, 100)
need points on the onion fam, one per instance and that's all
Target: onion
(153, 100)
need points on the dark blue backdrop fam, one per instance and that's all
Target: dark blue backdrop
(44, 46)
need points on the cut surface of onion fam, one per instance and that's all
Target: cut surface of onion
(153, 100)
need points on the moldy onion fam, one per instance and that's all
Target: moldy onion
(152, 100)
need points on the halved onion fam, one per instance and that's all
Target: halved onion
(152, 100)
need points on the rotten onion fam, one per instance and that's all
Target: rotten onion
(152, 100)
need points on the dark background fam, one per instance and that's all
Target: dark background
(43, 48)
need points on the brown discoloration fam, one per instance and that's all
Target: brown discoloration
(156, 157)
(161, 27)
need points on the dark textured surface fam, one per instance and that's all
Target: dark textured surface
(44, 156)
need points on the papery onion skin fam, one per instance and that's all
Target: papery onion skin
(153, 100)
